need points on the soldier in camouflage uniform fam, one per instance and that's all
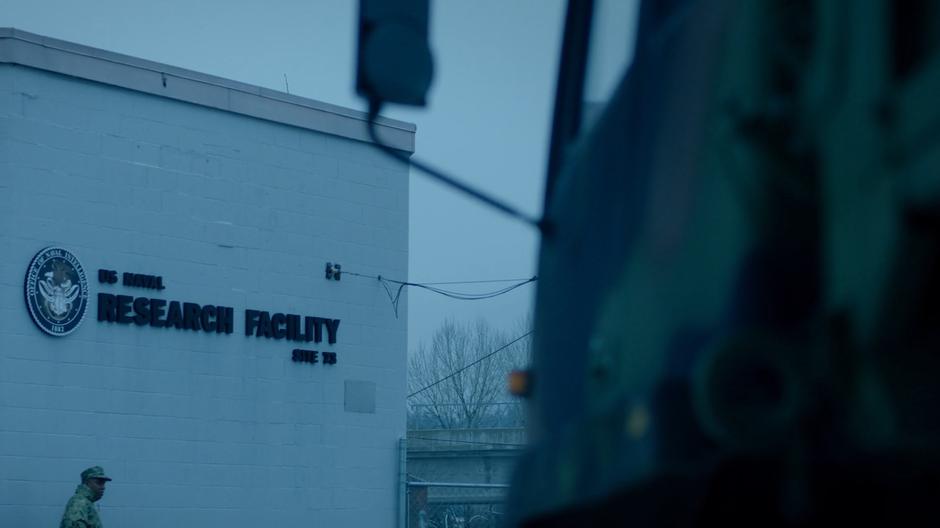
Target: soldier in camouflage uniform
(80, 511)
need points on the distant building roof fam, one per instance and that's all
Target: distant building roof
(67, 58)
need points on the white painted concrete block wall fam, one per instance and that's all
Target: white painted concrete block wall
(197, 429)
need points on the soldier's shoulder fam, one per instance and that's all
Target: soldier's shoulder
(78, 498)
(77, 507)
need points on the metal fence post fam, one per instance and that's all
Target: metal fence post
(402, 483)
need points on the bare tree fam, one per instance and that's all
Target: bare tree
(451, 395)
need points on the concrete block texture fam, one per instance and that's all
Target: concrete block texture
(360, 396)
(198, 427)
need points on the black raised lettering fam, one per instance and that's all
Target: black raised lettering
(251, 321)
(332, 325)
(107, 307)
(317, 329)
(329, 358)
(205, 318)
(277, 325)
(225, 319)
(191, 316)
(308, 329)
(141, 311)
(291, 327)
(174, 316)
(124, 309)
(305, 356)
(264, 325)
(156, 312)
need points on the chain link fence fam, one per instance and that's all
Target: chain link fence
(455, 505)
(449, 415)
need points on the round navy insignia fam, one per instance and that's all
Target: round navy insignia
(56, 291)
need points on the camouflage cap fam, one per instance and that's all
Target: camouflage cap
(94, 472)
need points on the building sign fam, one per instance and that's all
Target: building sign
(56, 291)
(159, 313)
(57, 296)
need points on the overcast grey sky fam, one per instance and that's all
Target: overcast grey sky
(488, 120)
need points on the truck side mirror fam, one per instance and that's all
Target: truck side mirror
(394, 61)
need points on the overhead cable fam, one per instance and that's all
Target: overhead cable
(430, 286)
(465, 367)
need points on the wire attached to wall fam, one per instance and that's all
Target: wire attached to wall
(432, 287)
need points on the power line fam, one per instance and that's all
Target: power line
(465, 367)
(466, 296)
(474, 281)
(453, 294)
(432, 286)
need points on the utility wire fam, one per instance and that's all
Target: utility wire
(432, 286)
(473, 281)
(465, 296)
(465, 367)
(395, 298)
(375, 106)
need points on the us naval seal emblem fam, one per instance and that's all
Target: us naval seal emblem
(56, 291)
